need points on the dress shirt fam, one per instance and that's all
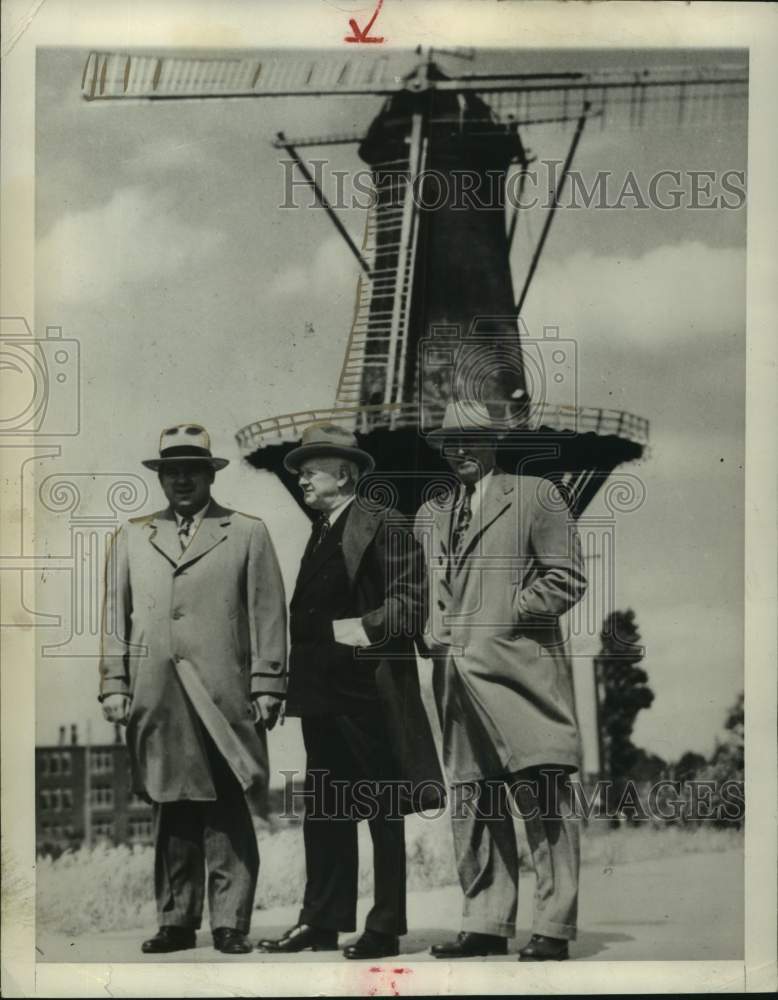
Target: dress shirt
(196, 519)
(334, 514)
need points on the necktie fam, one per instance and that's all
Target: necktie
(463, 519)
(320, 528)
(183, 531)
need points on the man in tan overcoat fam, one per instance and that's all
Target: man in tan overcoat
(504, 564)
(194, 663)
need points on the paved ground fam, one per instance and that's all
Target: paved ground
(688, 907)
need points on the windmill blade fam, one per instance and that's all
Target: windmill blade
(665, 95)
(116, 75)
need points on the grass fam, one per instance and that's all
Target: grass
(110, 888)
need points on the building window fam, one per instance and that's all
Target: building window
(67, 798)
(102, 797)
(44, 800)
(137, 802)
(140, 831)
(65, 762)
(101, 762)
(56, 799)
(44, 759)
(102, 830)
(54, 764)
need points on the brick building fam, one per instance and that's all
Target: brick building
(84, 795)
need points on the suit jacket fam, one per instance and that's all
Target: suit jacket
(501, 670)
(191, 636)
(386, 577)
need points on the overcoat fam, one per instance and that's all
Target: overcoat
(192, 636)
(501, 670)
(386, 573)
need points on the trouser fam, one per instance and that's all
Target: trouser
(487, 856)
(190, 837)
(341, 750)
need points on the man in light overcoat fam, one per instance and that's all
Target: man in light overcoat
(194, 662)
(504, 564)
(358, 604)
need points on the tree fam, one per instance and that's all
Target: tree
(688, 765)
(723, 772)
(622, 691)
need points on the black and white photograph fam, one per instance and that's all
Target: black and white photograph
(380, 415)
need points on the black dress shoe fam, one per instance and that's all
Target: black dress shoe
(300, 938)
(169, 939)
(469, 944)
(544, 949)
(373, 944)
(231, 941)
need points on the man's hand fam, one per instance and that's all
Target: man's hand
(267, 708)
(350, 632)
(116, 708)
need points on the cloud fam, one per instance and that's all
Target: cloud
(135, 237)
(659, 300)
(330, 272)
(662, 334)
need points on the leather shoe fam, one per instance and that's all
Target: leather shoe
(231, 941)
(470, 944)
(169, 939)
(541, 948)
(373, 944)
(300, 938)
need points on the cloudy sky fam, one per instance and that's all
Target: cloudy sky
(163, 250)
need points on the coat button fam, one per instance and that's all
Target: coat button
(178, 614)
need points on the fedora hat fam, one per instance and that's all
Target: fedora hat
(466, 418)
(185, 442)
(328, 439)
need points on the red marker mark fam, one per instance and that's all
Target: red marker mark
(362, 34)
(384, 980)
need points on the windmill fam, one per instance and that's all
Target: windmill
(438, 309)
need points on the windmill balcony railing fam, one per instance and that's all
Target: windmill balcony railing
(287, 429)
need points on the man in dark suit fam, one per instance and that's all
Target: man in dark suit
(358, 602)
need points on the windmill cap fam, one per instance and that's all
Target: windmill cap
(466, 418)
(185, 443)
(328, 439)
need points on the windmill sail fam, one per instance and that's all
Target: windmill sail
(663, 96)
(114, 75)
(617, 96)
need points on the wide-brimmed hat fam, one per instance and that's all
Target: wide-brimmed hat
(466, 418)
(328, 439)
(185, 443)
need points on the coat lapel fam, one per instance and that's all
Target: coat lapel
(164, 535)
(496, 501)
(442, 513)
(212, 530)
(358, 533)
(312, 562)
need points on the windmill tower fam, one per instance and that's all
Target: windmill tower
(437, 316)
